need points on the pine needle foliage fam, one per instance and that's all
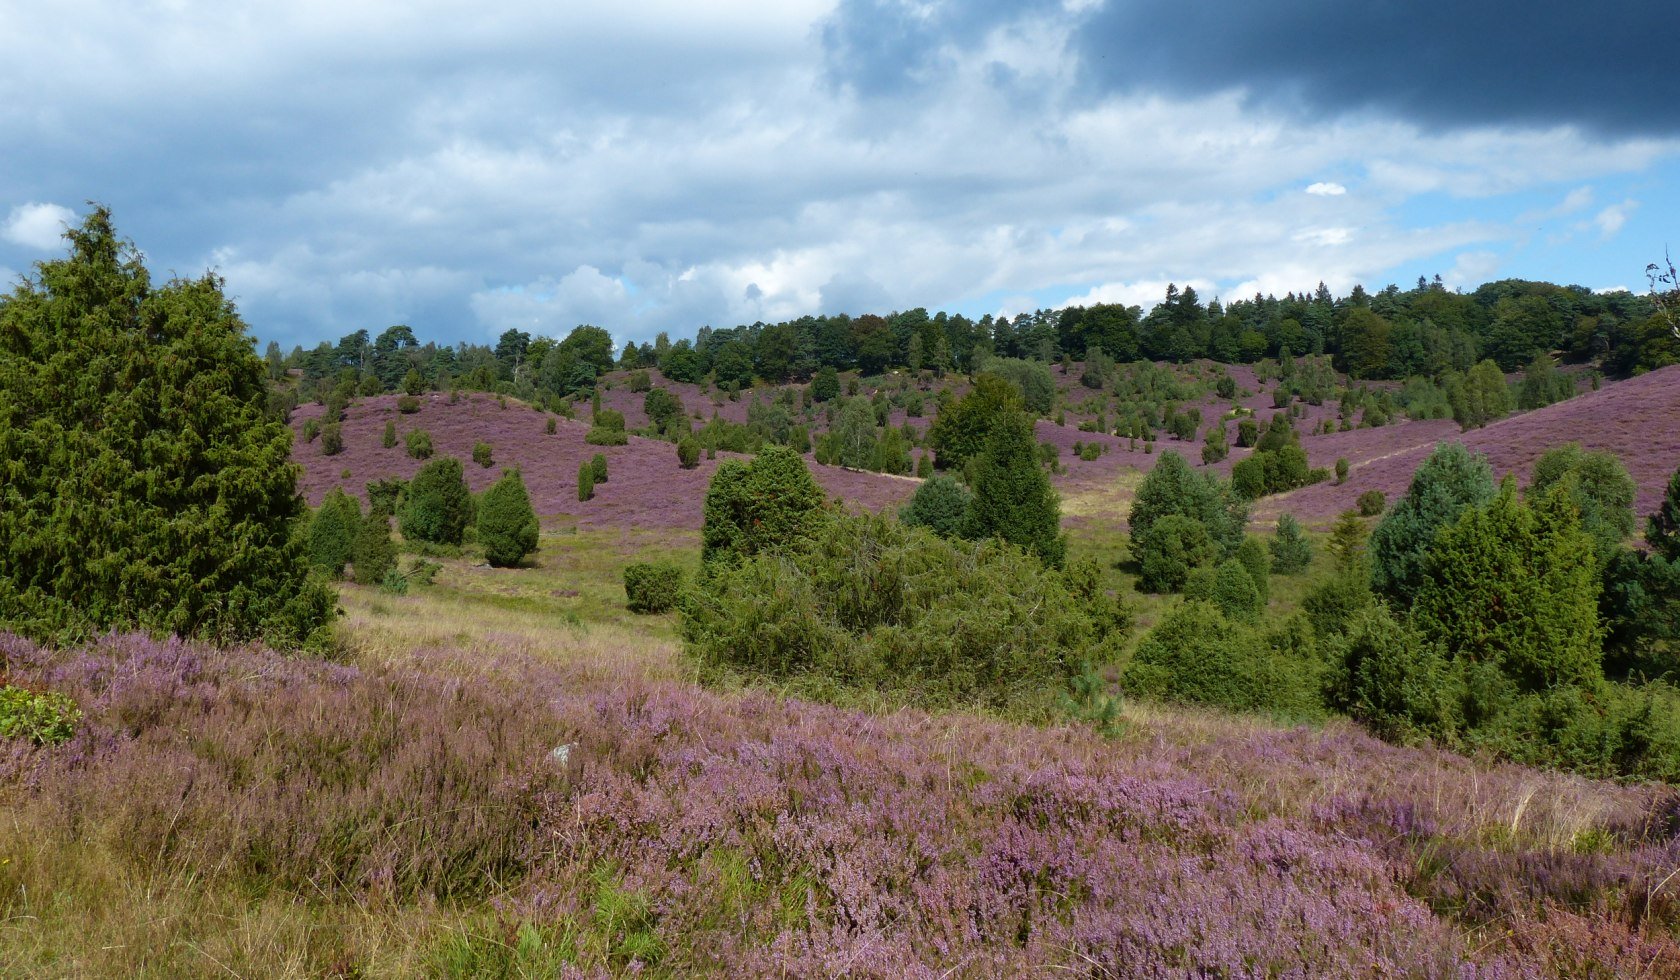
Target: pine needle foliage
(143, 484)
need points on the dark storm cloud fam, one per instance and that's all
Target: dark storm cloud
(1605, 67)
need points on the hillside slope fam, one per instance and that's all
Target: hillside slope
(1637, 419)
(646, 488)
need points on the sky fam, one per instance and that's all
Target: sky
(470, 168)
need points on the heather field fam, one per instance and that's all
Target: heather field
(403, 812)
(1635, 419)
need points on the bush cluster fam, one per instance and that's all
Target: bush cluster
(652, 587)
(43, 718)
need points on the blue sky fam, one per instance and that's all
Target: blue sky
(469, 168)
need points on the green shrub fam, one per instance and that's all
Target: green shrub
(1444, 486)
(767, 504)
(1234, 592)
(332, 439)
(1371, 503)
(1291, 552)
(311, 429)
(408, 404)
(688, 453)
(1248, 477)
(652, 587)
(1013, 499)
(1199, 656)
(549, 425)
(1248, 433)
(598, 463)
(437, 506)
(1252, 554)
(419, 443)
(586, 481)
(481, 454)
(372, 555)
(640, 381)
(867, 604)
(332, 532)
(941, 504)
(507, 526)
(1383, 673)
(598, 436)
(1341, 469)
(1172, 487)
(383, 495)
(1170, 550)
(389, 439)
(144, 481)
(46, 718)
(607, 418)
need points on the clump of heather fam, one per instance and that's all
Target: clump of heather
(690, 832)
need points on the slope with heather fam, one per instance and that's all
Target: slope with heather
(1638, 420)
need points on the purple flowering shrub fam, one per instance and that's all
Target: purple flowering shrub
(691, 832)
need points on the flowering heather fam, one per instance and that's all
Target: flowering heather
(648, 488)
(694, 832)
(1638, 420)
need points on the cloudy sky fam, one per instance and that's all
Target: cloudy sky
(465, 168)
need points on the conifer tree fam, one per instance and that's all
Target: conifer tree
(767, 504)
(437, 506)
(507, 525)
(1291, 552)
(373, 555)
(1013, 499)
(332, 532)
(143, 483)
(1447, 483)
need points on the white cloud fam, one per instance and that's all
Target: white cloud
(37, 226)
(1471, 269)
(1611, 219)
(1326, 189)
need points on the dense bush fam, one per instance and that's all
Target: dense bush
(419, 443)
(652, 586)
(826, 385)
(1234, 592)
(389, 438)
(373, 556)
(1291, 552)
(959, 432)
(332, 439)
(1598, 486)
(332, 532)
(437, 506)
(1197, 655)
(1371, 503)
(481, 454)
(507, 526)
(1174, 546)
(598, 463)
(869, 604)
(1172, 487)
(1255, 560)
(941, 504)
(661, 407)
(586, 481)
(408, 404)
(1013, 499)
(144, 483)
(688, 453)
(43, 718)
(600, 436)
(1448, 482)
(1031, 379)
(769, 503)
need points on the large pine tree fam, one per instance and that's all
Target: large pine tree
(143, 485)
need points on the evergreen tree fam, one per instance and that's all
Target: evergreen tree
(826, 385)
(1662, 529)
(1481, 397)
(1291, 552)
(586, 481)
(1515, 586)
(507, 526)
(1599, 487)
(1216, 448)
(941, 504)
(1172, 487)
(598, 463)
(1252, 555)
(1173, 547)
(1234, 592)
(1448, 482)
(1013, 499)
(373, 555)
(437, 506)
(143, 483)
(332, 533)
(854, 434)
(750, 508)
(959, 431)
(1347, 544)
